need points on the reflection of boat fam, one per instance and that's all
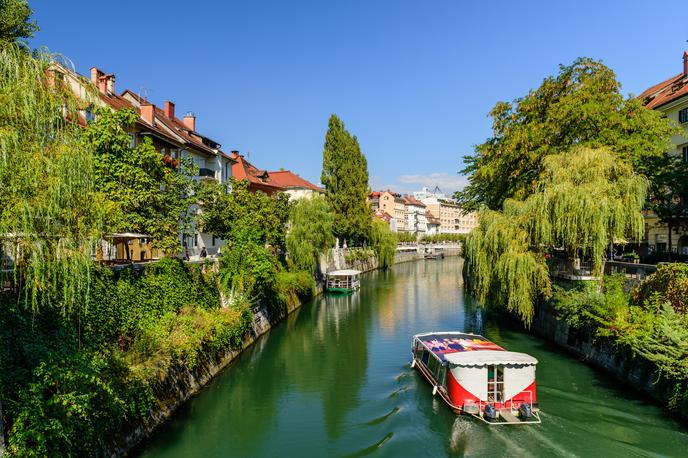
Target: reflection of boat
(343, 281)
(477, 377)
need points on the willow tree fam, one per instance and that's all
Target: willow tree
(310, 232)
(50, 216)
(585, 199)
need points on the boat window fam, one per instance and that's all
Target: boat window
(495, 383)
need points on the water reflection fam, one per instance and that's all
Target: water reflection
(334, 380)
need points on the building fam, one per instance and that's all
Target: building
(416, 221)
(295, 186)
(174, 138)
(433, 224)
(393, 204)
(671, 98)
(258, 180)
(450, 214)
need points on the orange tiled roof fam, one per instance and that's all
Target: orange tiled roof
(289, 180)
(411, 200)
(244, 170)
(667, 91)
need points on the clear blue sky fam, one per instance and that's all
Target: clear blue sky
(414, 80)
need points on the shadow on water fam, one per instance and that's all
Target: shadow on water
(334, 380)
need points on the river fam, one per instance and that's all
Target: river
(334, 380)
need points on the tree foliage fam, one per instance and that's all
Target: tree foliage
(15, 22)
(384, 242)
(243, 216)
(668, 192)
(581, 106)
(310, 232)
(147, 195)
(585, 199)
(50, 213)
(669, 284)
(345, 177)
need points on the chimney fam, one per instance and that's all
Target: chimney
(95, 74)
(110, 83)
(685, 62)
(235, 153)
(190, 121)
(169, 109)
(147, 113)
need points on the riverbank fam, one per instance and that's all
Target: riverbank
(180, 383)
(603, 354)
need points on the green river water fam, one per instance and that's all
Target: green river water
(334, 380)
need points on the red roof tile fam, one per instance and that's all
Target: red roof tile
(244, 170)
(667, 91)
(289, 180)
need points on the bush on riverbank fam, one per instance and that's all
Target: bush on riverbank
(69, 382)
(650, 321)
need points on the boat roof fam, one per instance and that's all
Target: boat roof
(489, 357)
(347, 272)
(442, 344)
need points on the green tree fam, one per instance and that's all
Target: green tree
(345, 177)
(668, 192)
(384, 242)
(15, 21)
(51, 215)
(585, 199)
(235, 214)
(310, 232)
(147, 195)
(581, 106)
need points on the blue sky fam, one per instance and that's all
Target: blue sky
(414, 80)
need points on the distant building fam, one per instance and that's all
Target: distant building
(433, 224)
(294, 185)
(391, 203)
(671, 98)
(449, 213)
(416, 221)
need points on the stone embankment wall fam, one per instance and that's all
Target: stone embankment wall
(602, 354)
(181, 384)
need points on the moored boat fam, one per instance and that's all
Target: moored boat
(477, 377)
(343, 281)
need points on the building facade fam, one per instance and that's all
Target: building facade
(671, 98)
(172, 137)
(416, 221)
(450, 214)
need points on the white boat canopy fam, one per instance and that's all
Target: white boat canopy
(489, 357)
(344, 273)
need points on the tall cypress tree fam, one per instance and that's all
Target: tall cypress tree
(345, 177)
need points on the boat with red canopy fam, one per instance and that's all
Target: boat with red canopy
(477, 377)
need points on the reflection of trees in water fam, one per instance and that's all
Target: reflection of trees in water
(322, 351)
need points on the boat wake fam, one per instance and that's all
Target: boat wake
(373, 448)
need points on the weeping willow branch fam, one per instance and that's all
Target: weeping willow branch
(50, 217)
(585, 199)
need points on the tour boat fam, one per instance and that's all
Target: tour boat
(477, 377)
(343, 281)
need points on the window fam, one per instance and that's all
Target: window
(684, 154)
(683, 115)
(213, 240)
(88, 114)
(132, 141)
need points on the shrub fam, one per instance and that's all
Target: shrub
(668, 284)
